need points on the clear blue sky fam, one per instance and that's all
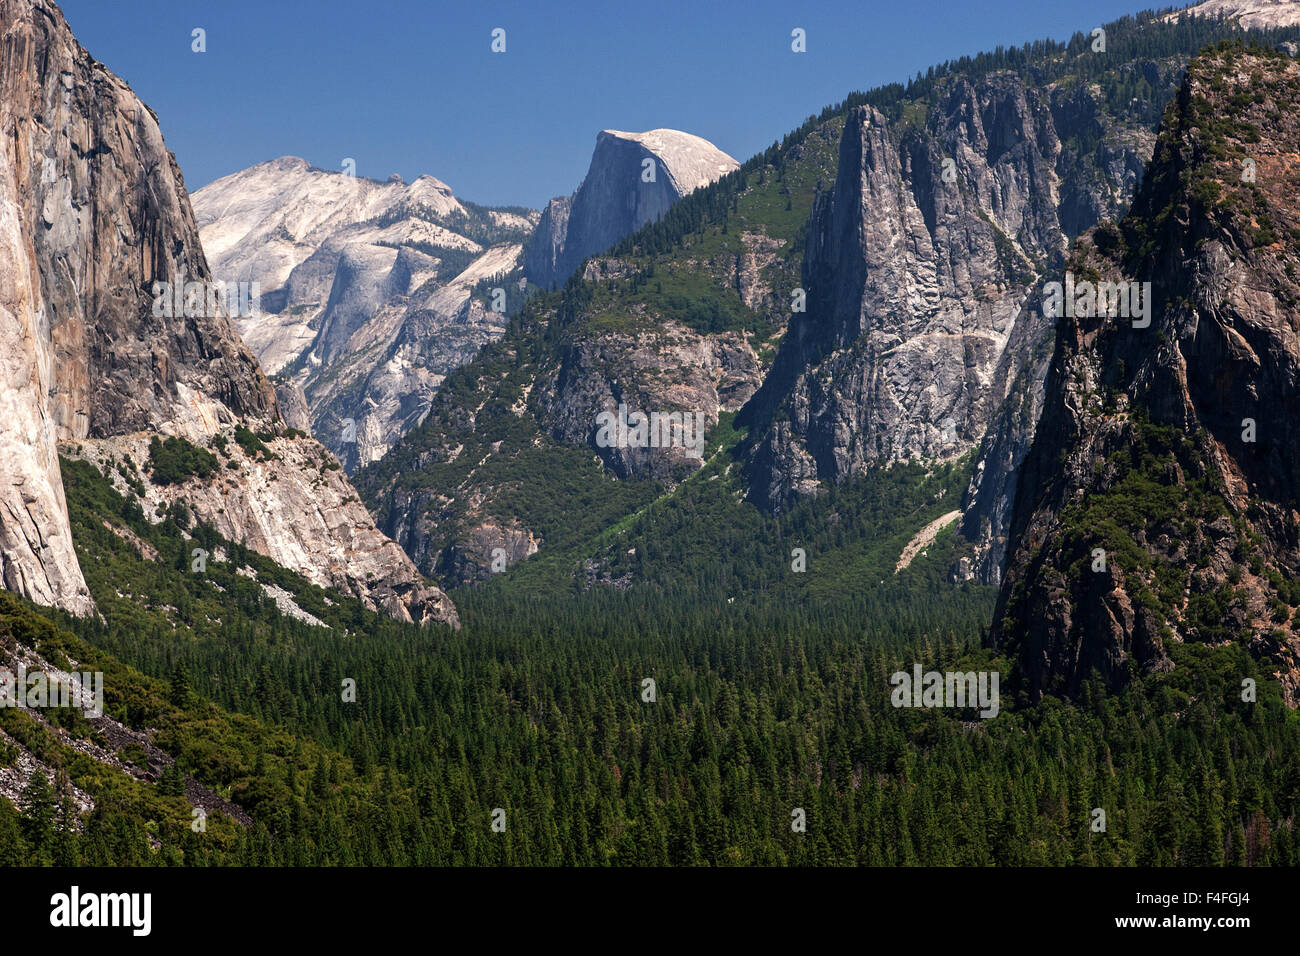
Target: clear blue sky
(411, 86)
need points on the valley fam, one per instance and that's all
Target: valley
(984, 376)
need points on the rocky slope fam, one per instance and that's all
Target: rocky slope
(615, 199)
(512, 442)
(1158, 502)
(107, 743)
(287, 498)
(94, 217)
(368, 289)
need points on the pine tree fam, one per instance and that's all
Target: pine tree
(37, 801)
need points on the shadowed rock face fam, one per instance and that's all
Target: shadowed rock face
(544, 253)
(1171, 448)
(93, 213)
(615, 199)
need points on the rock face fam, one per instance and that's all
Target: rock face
(486, 542)
(368, 289)
(1249, 13)
(921, 327)
(545, 250)
(36, 554)
(105, 216)
(671, 369)
(94, 211)
(633, 179)
(916, 285)
(293, 504)
(94, 219)
(448, 492)
(996, 477)
(1158, 501)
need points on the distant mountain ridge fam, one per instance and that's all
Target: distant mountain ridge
(367, 290)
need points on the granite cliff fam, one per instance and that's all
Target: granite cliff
(97, 231)
(634, 178)
(371, 291)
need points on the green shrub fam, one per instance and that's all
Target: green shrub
(175, 461)
(252, 445)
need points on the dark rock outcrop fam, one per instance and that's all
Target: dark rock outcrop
(1158, 501)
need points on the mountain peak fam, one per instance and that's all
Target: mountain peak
(285, 162)
(261, 223)
(691, 160)
(619, 195)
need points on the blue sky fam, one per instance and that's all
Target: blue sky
(412, 86)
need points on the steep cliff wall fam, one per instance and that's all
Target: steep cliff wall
(1158, 502)
(920, 265)
(94, 217)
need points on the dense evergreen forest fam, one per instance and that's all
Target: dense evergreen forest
(538, 707)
